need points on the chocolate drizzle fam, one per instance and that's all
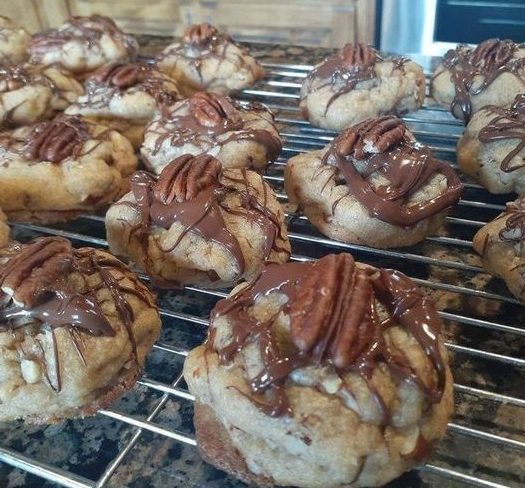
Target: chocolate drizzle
(344, 70)
(117, 77)
(488, 60)
(507, 124)
(36, 289)
(191, 191)
(513, 230)
(201, 119)
(203, 42)
(384, 148)
(57, 139)
(335, 322)
(86, 30)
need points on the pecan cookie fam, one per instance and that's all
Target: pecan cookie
(4, 229)
(492, 148)
(357, 83)
(328, 373)
(83, 44)
(206, 59)
(374, 185)
(198, 224)
(501, 244)
(55, 170)
(75, 328)
(14, 41)
(30, 93)
(238, 135)
(493, 73)
(125, 96)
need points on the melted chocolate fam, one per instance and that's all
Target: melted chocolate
(117, 77)
(16, 77)
(55, 302)
(344, 70)
(507, 124)
(202, 213)
(201, 42)
(514, 229)
(488, 60)
(407, 167)
(194, 127)
(406, 305)
(87, 30)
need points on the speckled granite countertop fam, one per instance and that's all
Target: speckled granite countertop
(88, 447)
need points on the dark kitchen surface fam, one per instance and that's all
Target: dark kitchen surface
(484, 324)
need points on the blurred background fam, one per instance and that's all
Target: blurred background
(409, 26)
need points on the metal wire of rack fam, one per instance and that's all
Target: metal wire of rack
(486, 336)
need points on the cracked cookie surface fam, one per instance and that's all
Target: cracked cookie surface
(373, 185)
(298, 383)
(75, 328)
(238, 135)
(198, 223)
(357, 83)
(208, 60)
(55, 170)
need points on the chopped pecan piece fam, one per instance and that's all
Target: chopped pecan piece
(371, 136)
(57, 139)
(13, 78)
(35, 269)
(358, 55)
(211, 110)
(185, 177)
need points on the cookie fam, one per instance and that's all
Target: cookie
(469, 78)
(55, 170)
(30, 93)
(4, 230)
(75, 328)
(501, 244)
(328, 373)
(358, 82)
(208, 60)
(238, 135)
(83, 44)
(198, 224)
(14, 41)
(373, 185)
(492, 149)
(125, 96)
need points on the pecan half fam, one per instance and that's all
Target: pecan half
(185, 177)
(312, 307)
(358, 55)
(371, 136)
(120, 75)
(199, 34)
(331, 314)
(57, 139)
(35, 269)
(211, 110)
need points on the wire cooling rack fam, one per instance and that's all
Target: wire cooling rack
(147, 438)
